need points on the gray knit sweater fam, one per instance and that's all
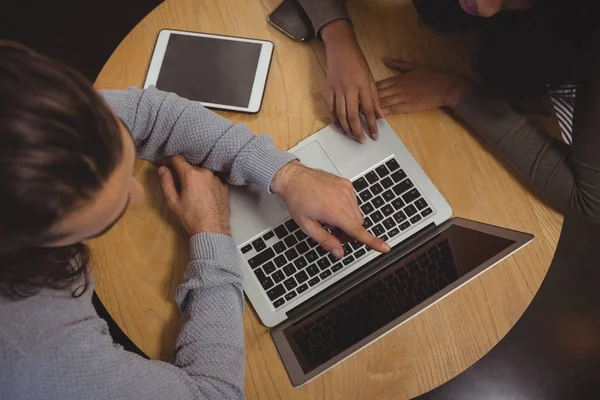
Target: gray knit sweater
(54, 346)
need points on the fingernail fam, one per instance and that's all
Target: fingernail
(337, 253)
(161, 170)
(386, 247)
(362, 140)
(375, 136)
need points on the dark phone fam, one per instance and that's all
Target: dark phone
(289, 17)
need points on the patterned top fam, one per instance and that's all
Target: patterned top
(563, 99)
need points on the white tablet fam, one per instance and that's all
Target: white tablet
(222, 72)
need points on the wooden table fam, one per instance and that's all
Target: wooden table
(138, 265)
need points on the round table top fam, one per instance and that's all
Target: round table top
(138, 265)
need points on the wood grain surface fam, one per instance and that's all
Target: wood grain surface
(138, 265)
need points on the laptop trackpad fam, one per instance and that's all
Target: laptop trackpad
(313, 156)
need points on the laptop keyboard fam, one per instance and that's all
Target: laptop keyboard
(287, 262)
(378, 303)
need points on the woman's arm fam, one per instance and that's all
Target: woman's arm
(164, 124)
(568, 177)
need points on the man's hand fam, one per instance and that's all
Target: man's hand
(420, 88)
(202, 204)
(350, 83)
(315, 197)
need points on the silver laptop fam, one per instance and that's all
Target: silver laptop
(326, 309)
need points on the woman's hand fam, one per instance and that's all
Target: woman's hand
(203, 202)
(350, 83)
(316, 197)
(420, 88)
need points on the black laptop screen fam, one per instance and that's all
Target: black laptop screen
(389, 294)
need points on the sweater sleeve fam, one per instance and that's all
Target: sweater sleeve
(164, 124)
(568, 177)
(80, 361)
(322, 12)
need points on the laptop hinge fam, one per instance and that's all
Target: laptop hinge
(362, 273)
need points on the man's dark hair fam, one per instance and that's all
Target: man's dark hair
(59, 142)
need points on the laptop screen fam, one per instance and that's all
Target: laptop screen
(386, 295)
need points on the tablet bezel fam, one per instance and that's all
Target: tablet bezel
(260, 78)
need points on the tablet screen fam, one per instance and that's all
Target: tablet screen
(209, 70)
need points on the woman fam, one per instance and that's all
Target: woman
(536, 55)
(66, 163)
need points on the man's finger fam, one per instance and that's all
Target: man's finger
(400, 65)
(327, 241)
(180, 165)
(376, 100)
(386, 83)
(340, 110)
(354, 116)
(330, 100)
(168, 186)
(368, 108)
(389, 101)
(359, 233)
(401, 108)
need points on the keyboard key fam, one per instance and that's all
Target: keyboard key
(410, 210)
(269, 267)
(278, 276)
(378, 202)
(356, 244)
(337, 267)
(348, 260)
(394, 232)
(290, 240)
(275, 292)
(389, 223)
(302, 247)
(376, 189)
(384, 238)
(388, 195)
(366, 209)
(398, 203)
(246, 248)
(312, 242)
(259, 244)
(279, 302)
(376, 216)
(325, 274)
(314, 281)
(324, 263)
(368, 223)
(291, 254)
(300, 235)
(289, 270)
(261, 258)
(392, 164)
(347, 248)
(378, 230)
(268, 235)
(359, 253)
(366, 195)
(372, 177)
(382, 171)
(404, 226)
(300, 262)
(398, 176)
(311, 256)
(260, 275)
(403, 187)
(301, 276)
(412, 195)
(400, 217)
(291, 226)
(290, 283)
(387, 183)
(321, 251)
(281, 232)
(280, 261)
(415, 219)
(421, 204)
(426, 212)
(302, 288)
(279, 247)
(360, 184)
(387, 210)
(312, 270)
(290, 295)
(267, 283)
(332, 258)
